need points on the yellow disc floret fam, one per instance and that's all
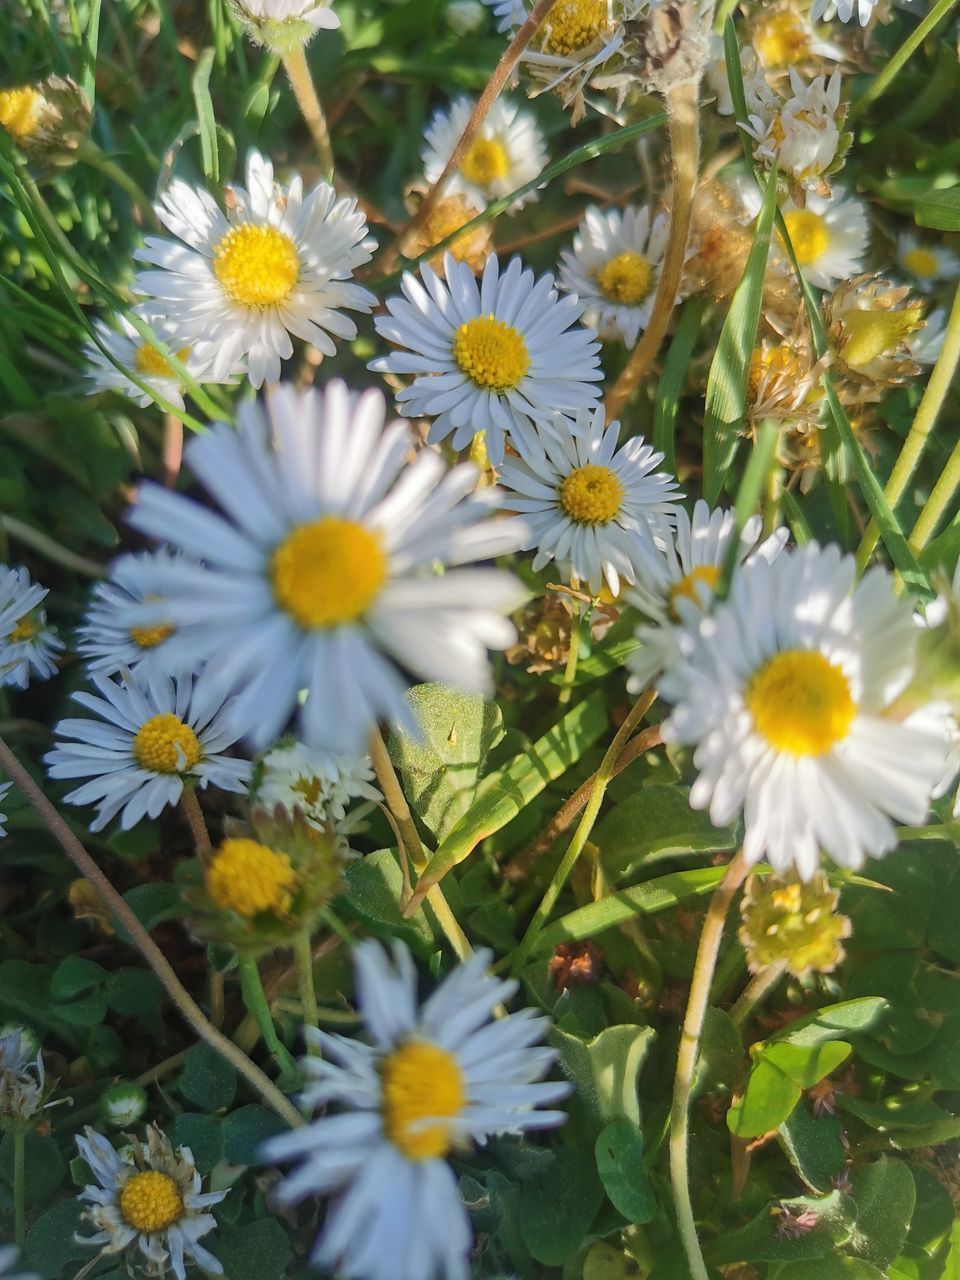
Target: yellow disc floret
(423, 1087)
(150, 362)
(573, 24)
(150, 637)
(258, 266)
(249, 878)
(24, 629)
(21, 111)
(781, 39)
(491, 353)
(688, 588)
(792, 923)
(151, 1201)
(868, 334)
(809, 235)
(922, 262)
(485, 162)
(164, 744)
(591, 494)
(801, 703)
(328, 572)
(625, 279)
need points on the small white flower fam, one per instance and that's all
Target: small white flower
(319, 783)
(801, 133)
(437, 1077)
(928, 264)
(507, 152)
(158, 734)
(783, 36)
(508, 13)
(589, 505)
(9, 1255)
(487, 355)
(830, 236)
(315, 12)
(107, 641)
(785, 691)
(148, 1197)
(28, 646)
(322, 576)
(277, 263)
(614, 267)
(22, 1074)
(844, 9)
(465, 17)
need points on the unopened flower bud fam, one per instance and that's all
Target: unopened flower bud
(123, 1104)
(465, 17)
(282, 25)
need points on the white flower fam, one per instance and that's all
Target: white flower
(928, 264)
(27, 644)
(107, 641)
(490, 355)
(588, 505)
(830, 236)
(843, 9)
(150, 1196)
(4, 788)
(321, 784)
(507, 153)
(9, 1253)
(614, 267)
(785, 692)
(277, 263)
(322, 575)
(802, 133)
(783, 36)
(677, 581)
(136, 354)
(318, 14)
(508, 13)
(158, 734)
(574, 43)
(437, 1077)
(22, 1074)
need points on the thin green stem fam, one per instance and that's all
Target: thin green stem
(396, 800)
(923, 423)
(19, 1185)
(255, 999)
(937, 504)
(906, 51)
(45, 546)
(570, 670)
(303, 956)
(301, 82)
(92, 155)
(756, 991)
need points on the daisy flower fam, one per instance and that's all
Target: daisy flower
(314, 15)
(158, 735)
(613, 268)
(928, 264)
(436, 1077)
(677, 581)
(27, 644)
(588, 504)
(490, 355)
(277, 263)
(508, 13)
(322, 575)
(783, 36)
(830, 236)
(802, 133)
(786, 692)
(844, 9)
(107, 641)
(148, 1198)
(9, 1254)
(507, 152)
(132, 351)
(321, 784)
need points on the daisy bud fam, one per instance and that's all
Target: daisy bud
(48, 121)
(793, 923)
(281, 25)
(465, 17)
(123, 1104)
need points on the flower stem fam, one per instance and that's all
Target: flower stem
(570, 670)
(196, 821)
(757, 990)
(19, 1184)
(45, 546)
(941, 379)
(396, 800)
(703, 972)
(254, 997)
(937, 504)
(303, 955)
(906, 51)
(91, 154)
(684, 125)
(188, 1008)
(301, 82)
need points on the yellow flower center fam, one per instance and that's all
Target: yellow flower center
(625, 279)
(20, 111)
(493, 354)
(809, 235)
(151, 1201)
(868, 334)
(150, 637)
(781, 39)
(485, 162)
(572, 25)
(328, 572)
(776, 364)
(152, 364)
(922, 262)
(258, 266)
(688, 588)
(311, 788)
(164, 744)
(591, 494)
(801, 703)
(25, 629)
(249, 878)
(423, 1086)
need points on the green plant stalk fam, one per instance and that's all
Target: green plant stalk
(755, 478)
(923, 423)
(89, 153)
(756, 990)
(303, 956)
(937, 504)
(703, 971)
(906, 51)
(19, 1184)
(255, 999)
(44, 545)
(301, 82)
(591, 811)
(573, 656)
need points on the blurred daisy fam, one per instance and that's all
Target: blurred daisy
(786, 692)
(508, 13)
(801, 133)
(132, 351)
(158, 735)
(613, 268)
(9, 1254)
(293, 13)
(928, 264)
(321, 784)
(437, 1078)
(507, 152)
(322, 575)
(28, 646)
(588, 504)
(490, 355)
(926, 343)
(108, 642)
(277, 263)
(676, 583)
(830, 236)
(783, 36)
(148, 1198)
(22, 1074)
(844, 10)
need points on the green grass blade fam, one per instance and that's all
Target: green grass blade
(209, 146)
(672, 381)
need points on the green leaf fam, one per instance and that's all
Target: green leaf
(259, 1251)
(441, 771)
(50, 1243)
(672, 380)
(206, 119)
(619, 1154)
(951, 1269)
(938, 209)
(768, 1100)
(245, 1129)
(807, 1065)
(812, 1144)
(656, 820)
(374, 893)
(152, 904)
(885, 1194)
(202, 1134)
(557, 1206)
(759, 1240)
(207, 1080)
(605, 1069)
(721, 1053)
(833, 1021)
(836, 1268)
(45, 1168)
